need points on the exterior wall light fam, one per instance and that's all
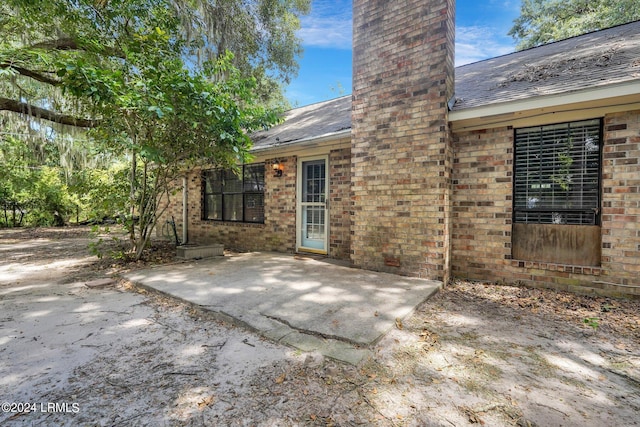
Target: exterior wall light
(277, 167)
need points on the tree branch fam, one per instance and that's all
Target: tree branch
(64, 43)
(67, 43)
(42, 113)
(32, 74)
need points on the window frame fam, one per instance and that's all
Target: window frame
(563, 213)
(247, 189)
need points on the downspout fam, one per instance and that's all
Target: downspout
(185, 211)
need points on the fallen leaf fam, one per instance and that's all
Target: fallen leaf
(207, 401)
(399, 323)
(473, 417)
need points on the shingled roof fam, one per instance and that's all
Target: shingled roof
(596, 59)
(311, 121)
(592, 60)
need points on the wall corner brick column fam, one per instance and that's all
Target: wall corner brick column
(621, 199)
(403, 78)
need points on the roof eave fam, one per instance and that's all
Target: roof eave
(542, 104)
(303, 143)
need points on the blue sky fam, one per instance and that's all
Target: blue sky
(325, 67)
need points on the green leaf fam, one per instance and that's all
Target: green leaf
(157, 110)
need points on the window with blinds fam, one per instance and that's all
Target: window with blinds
(231, 197)
(557, 173)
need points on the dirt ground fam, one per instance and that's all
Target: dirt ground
(474, 354)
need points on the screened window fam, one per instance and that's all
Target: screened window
(231, 197)
(557, 174)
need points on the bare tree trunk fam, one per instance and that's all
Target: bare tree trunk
(148, 207)
(142, 210)
(154, 206)
(132, 198)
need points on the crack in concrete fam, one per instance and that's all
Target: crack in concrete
(315, 333)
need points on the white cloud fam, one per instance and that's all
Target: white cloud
(477, 43)
(326, 32)
(328, 25)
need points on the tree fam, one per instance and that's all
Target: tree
(37, 39)
(130, 73)
(260, 33)
(170, 118)
(31, 192)
(546, 21)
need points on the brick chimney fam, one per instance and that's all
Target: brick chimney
(403, 78)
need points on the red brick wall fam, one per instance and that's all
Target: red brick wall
(278, 233)
(340, 203)
(481, 212)
(621, 199)
(403, 77)
(482, 201)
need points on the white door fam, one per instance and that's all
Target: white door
(312, 205)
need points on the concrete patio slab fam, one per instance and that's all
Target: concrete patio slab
(307, 303)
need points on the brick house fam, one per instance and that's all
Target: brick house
(522, 168)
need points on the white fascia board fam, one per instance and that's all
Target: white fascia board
(548, 101)
(300, 144)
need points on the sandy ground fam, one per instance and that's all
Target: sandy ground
(474, 354)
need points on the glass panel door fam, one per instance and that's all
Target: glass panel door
(313, 206)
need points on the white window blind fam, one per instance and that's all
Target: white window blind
(557, 173)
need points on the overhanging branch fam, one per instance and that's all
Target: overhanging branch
(42, 113)
(32, 74)
(64, 43)
(67, 43)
